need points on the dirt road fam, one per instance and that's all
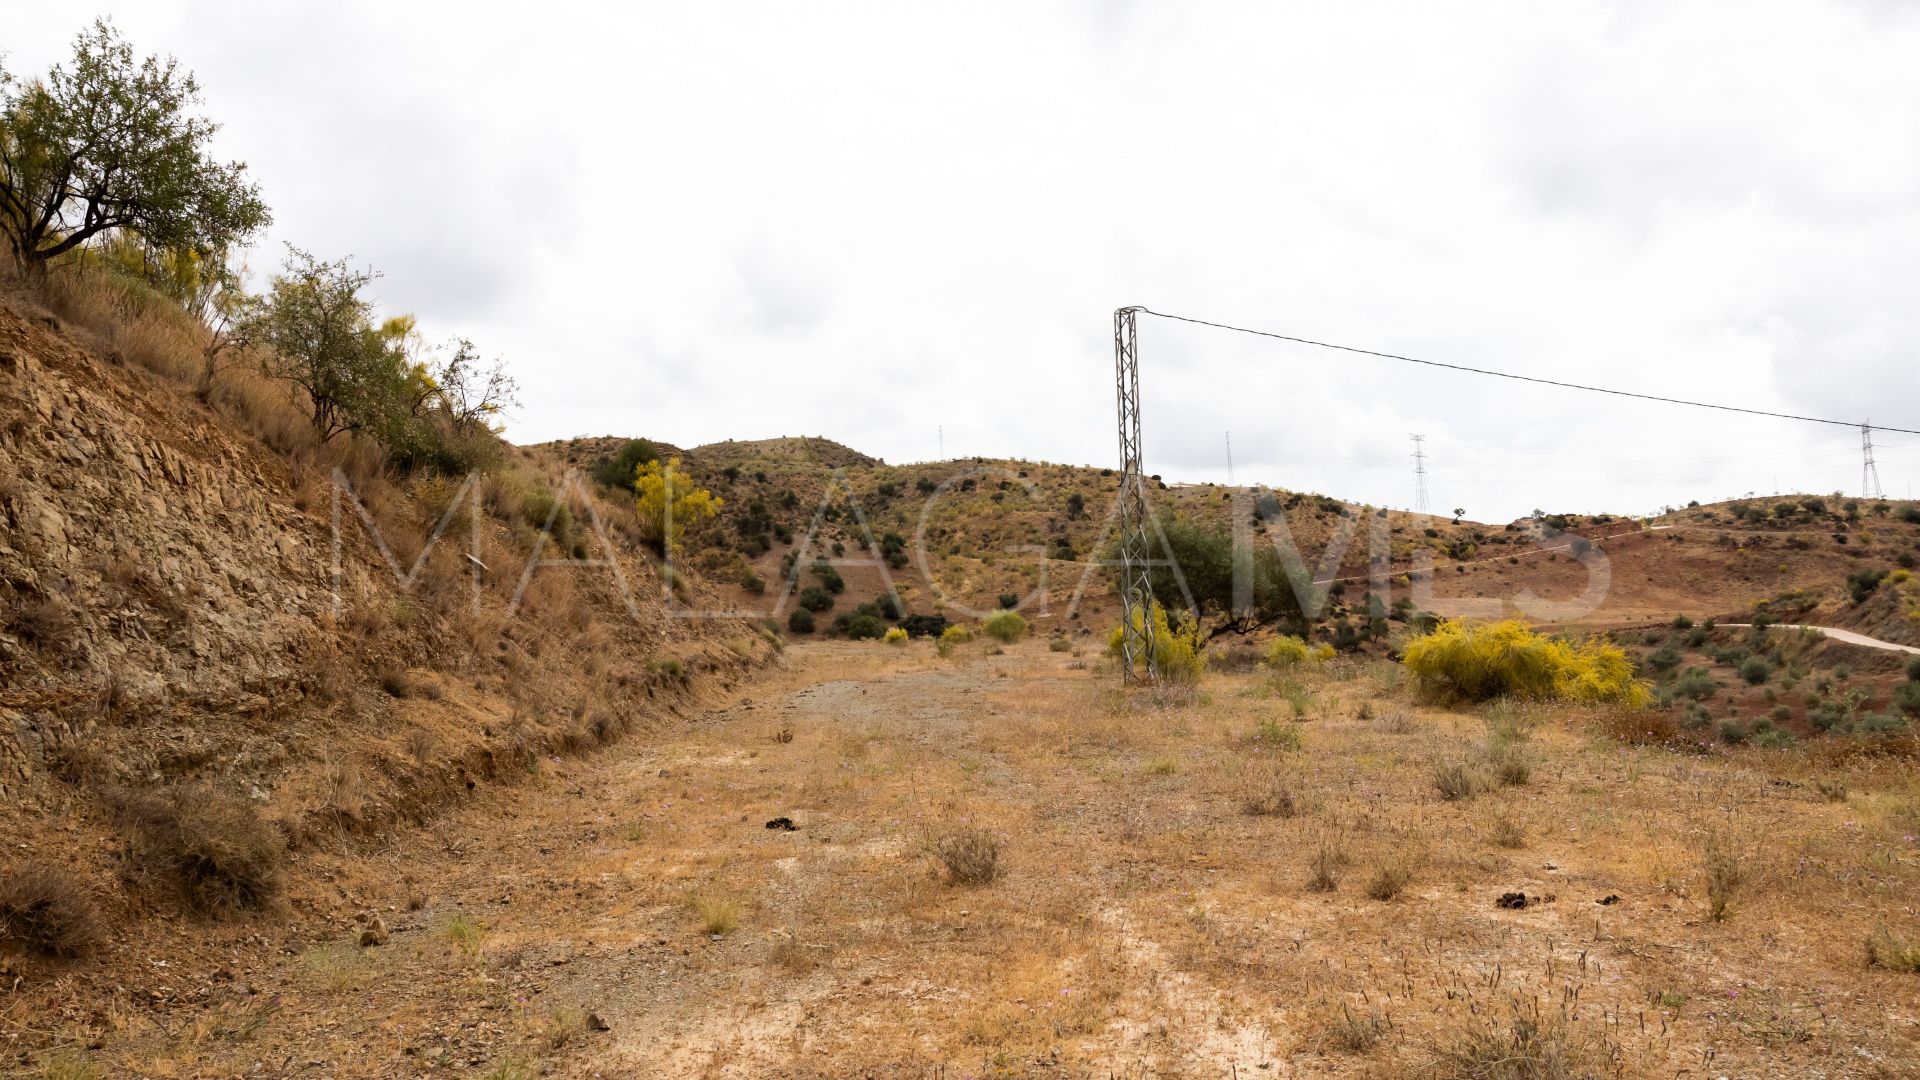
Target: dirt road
(1837, 634)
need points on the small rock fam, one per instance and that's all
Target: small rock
(1608, 899)
(595, 1023)
(783, 824)
(1512, 901)
(375, 933)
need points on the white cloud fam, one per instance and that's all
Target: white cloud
(868, 221)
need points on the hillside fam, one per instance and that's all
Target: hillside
(977, 529)
(189, 657)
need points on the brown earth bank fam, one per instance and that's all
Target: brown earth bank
(876, 861)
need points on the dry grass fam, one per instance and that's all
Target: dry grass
(214, 849)
(969, 856)
(1323, 872)
(1892, 952)
(47, 911)
(1267, 791)
(1457, 781)
(716, 913)
(1389, 879)
(1528, 1042)
(1724, 869)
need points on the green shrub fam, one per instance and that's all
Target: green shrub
(1006, 626)
(1477, 661)
(863, 628)
(1755, 670)
(1696, 683)
(618, 470)
(800, 621)
(814, 598)
(896, 636)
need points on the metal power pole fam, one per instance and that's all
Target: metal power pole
(1869, 472)
(1136, 588)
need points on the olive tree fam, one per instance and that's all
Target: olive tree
(112, 143)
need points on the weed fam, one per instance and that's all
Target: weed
(1323, 873)
(1508, 832)
(1512, 768)
(1474, 662)
(43, 623)
(465, 935)
(970, 856)
(45, 911)
(1275, 735)
(1833, 789)
(1726, 876)
(1287, 651)
(561, 1026)
(1161, 765)
(1456, 781)
(1389, 878)
(1264, 792)
(65, 1067)
(1179, 645)
(1352, 1033)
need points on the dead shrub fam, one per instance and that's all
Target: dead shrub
(1641, 727)
(45, 911)
(970, 856)
(215, 849)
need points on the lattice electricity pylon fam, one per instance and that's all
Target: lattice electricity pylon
(1136, 588)
(1869, 472)
(1420, 474)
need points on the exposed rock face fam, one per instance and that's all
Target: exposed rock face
(169, 613)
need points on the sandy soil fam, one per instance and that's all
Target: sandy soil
(1143, 922)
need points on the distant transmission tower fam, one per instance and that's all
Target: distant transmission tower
(1420, 474)
(1869, 472)
(1229, 458)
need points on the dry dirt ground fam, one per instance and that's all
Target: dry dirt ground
(1145, 920)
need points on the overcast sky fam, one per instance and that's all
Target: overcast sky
(875, 221)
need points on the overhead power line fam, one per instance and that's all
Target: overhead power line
(1528, 378)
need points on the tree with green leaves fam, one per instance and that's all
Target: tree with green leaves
(111, 143)
(314, 329)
